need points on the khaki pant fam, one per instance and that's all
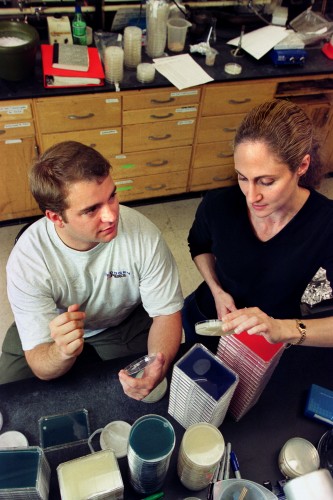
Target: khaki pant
(130, 337)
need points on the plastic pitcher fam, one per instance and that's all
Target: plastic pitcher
(177, 30)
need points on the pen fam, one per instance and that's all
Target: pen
(235, 465)
(227, 462)
(155, 496)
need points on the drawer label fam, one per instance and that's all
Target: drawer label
(127, 181)
(108, 132)
(187, 92)
(13, 110)
(120, 157)
(111, 101)
(185, 122)
(13, 141)
(17, 125)
(186, 110)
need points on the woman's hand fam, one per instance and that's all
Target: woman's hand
(224, 303)
(255, 322)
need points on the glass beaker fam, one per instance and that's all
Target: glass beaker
(177, 30)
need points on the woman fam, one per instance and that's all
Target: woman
(258, 244)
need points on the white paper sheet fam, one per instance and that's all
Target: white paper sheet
(182, 71)
(259, 42)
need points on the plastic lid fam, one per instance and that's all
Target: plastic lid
(115, 437)
(233, 68)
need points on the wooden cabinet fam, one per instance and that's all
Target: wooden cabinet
(158, 135)
(17, 152)
(94, 120)
(223, 108)
(315, 96)
(160, 142)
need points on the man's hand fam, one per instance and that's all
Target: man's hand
(67, 331)
(139, 388)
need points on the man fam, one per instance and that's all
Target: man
(89, 272)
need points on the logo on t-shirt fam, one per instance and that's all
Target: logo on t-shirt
(117, 274)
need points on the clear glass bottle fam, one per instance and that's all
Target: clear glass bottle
(79, 27)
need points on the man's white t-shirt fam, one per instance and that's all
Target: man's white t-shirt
(44, 277)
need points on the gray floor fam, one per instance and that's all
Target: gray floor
(174, 220)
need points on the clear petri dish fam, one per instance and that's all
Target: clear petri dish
(139, 364)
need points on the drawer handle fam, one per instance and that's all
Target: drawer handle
(222, 179)
(244, 101)
(157, 164)
(78, 117)
(225, 155)
(157, 101)
(153, 138)
(157, 188)
(161, 117)
(226, 129)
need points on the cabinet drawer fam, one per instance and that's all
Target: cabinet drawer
(16, 129)
(151, 162)
(15, 110)
(106, 141)
(151, 186)
(16, 198)
(215, 153)
(212, 177)
(158, 135)
(239, 98)
(155, 115)
(218, 128)
(155, 99)
(78, 113)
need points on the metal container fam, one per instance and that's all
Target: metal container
(17, 60)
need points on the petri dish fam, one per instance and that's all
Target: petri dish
(233, 68)
(13, 439)
(297, 457)
(325, 450)
(211, 328)
(140, 364)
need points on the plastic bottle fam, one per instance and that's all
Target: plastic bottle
(79, 27)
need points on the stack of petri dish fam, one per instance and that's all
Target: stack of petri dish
(200, 452)
(151, 443)
(132, 46)
(157, 13)
(254, 360)
(114, 64)
(298, 457)
(92, 476)
(145, 72)
(201, 388)
(25, 473)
